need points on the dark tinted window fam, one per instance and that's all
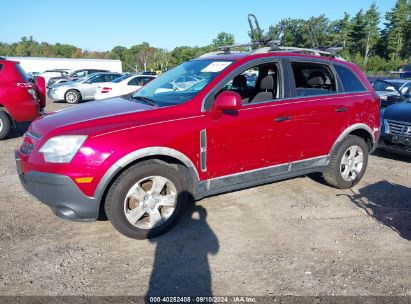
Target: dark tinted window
(1, 67)
(147, 80)
(349, 81)
(119, 79)
(111, 77)
(140, 81)
(97, 78)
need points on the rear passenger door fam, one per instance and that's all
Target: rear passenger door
(321, 113)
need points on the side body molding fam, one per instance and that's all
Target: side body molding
(136, 155)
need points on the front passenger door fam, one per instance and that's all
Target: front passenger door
(254, 137)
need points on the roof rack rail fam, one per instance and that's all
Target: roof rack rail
(327, 52)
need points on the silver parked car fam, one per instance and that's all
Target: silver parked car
(82, 89)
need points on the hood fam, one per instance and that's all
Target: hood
(88, 112)
(387, 93)
(399, 112)
(66, 84)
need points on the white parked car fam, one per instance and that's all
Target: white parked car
(124, 85)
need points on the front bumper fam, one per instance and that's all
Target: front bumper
(60, 193)
(386, 143)
(56, 94)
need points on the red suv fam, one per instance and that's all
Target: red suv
(247, 119)
(21, 100)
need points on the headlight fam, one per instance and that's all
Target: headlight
(386, 127)
(384, 97)
(61, 149)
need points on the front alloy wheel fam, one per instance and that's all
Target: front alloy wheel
(72, 96)
(147, 199)
(150, 202)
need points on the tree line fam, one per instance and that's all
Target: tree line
(375, 48)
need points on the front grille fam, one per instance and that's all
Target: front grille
(26, 148)
(399, 128)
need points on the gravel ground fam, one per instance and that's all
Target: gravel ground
(294, 237)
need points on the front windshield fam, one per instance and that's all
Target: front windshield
(181, 83)
(381, 85)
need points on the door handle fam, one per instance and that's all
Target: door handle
(283, 118)
(338, 110)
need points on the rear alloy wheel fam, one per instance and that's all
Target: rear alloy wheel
(352, 163)
(146, 199)
(4, 125)
(72, 96)
(347, 164)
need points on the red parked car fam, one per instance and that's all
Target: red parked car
(142, 158)
(21, 100)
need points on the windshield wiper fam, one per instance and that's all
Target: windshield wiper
(146, 100)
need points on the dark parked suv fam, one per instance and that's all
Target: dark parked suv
(77, 74)
(396, 128)
(140, 159)
(21, 100)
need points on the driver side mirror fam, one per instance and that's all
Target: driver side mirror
(227, 101)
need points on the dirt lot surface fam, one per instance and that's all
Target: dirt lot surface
(295, 237)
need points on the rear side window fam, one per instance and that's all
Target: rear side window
(313, 79)
(111, 77)
(147, 80)
(349, 81)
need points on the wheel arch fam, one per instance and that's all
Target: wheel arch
(164, 154)
(4, 109)
(361, 130)
(73, 89)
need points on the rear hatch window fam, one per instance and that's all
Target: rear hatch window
(22, 72)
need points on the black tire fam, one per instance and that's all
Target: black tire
(72, 97)
(115, 199)
(4, 125)
(332, 173)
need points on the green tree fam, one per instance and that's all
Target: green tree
(397, 29)
(317, 32)
(183, 53)
(372, 18)
(222, 39)
(339, 31)
(291, 32)
(357, 37)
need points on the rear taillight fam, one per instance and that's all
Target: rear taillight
(30, 89)
(106, 90)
